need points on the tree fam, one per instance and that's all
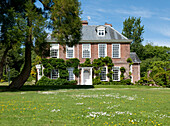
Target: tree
(65, 22)
(33, 24)
(10, 35)
(133, 29)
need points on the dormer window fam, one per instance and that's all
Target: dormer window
(101, 31)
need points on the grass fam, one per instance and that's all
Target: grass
(82, 107)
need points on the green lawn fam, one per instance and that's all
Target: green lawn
(82, 107)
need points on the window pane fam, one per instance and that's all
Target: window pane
(102, 50)
(86, 50)
(71, 74)
(69, 53)
(54, 74)
(116, 73)
(103, 74)
(115, 50)
(54, 53)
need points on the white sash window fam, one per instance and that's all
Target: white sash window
(116, 74)
(70, 52)
(86, 50)
(115, 50)
(71, 74)
(103, 74)
(102, 50)
(54, 74)
(54, 51)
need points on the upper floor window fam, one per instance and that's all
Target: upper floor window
(102, 50)
(103, 74)
(54, 51)
(71, 74)
(70, 52)
(116, 73)
(101, 31)
(54, 74)
(86, 50)
(115, 50)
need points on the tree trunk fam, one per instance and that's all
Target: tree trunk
(3, 60)
(19, 81)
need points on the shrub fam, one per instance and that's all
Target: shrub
(96, 81)
(45, 81)
(126, 82)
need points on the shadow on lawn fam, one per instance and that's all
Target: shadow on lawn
(45, 88)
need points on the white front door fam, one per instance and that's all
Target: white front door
(86, 77)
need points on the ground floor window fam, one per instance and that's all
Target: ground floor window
(103, 74)
(116, 73)
(54, 74)
(71, 74)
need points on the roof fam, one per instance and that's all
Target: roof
(134, 57)
(89, 34)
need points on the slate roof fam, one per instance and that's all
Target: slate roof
(89, 34)
(134, 57)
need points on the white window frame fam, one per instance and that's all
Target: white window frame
(105, 50)
(52, 75)
(106, 73)
(131, 68)
(54, 47)
(118, 73)
(119, 51)
(88, 50)
(71, 68)
(102, 31)
(69, 48)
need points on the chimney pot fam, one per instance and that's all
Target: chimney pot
(84, 22)
(108, 24)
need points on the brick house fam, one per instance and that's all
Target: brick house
(97, 41)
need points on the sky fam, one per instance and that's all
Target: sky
(155, 16)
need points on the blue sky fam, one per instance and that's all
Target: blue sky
(155, 15)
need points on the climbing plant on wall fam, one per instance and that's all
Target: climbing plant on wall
(61, 65)
(129, 60)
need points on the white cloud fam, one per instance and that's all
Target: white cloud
(157, 42)
(134, 11)
(165, 18)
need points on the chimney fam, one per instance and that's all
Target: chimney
(108, 24)
(84, 22)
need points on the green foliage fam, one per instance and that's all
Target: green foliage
(129, 60)
(61, 65)
(146, 64)
(151, 51)
(87, 63)
(99, 63)
(13, 73)
(66, 21)
(96, 81)
(144, 81)
(74, 62)
(160, 72)
(162, 79)
(133, 29)
(123, 70)
(45, 81)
